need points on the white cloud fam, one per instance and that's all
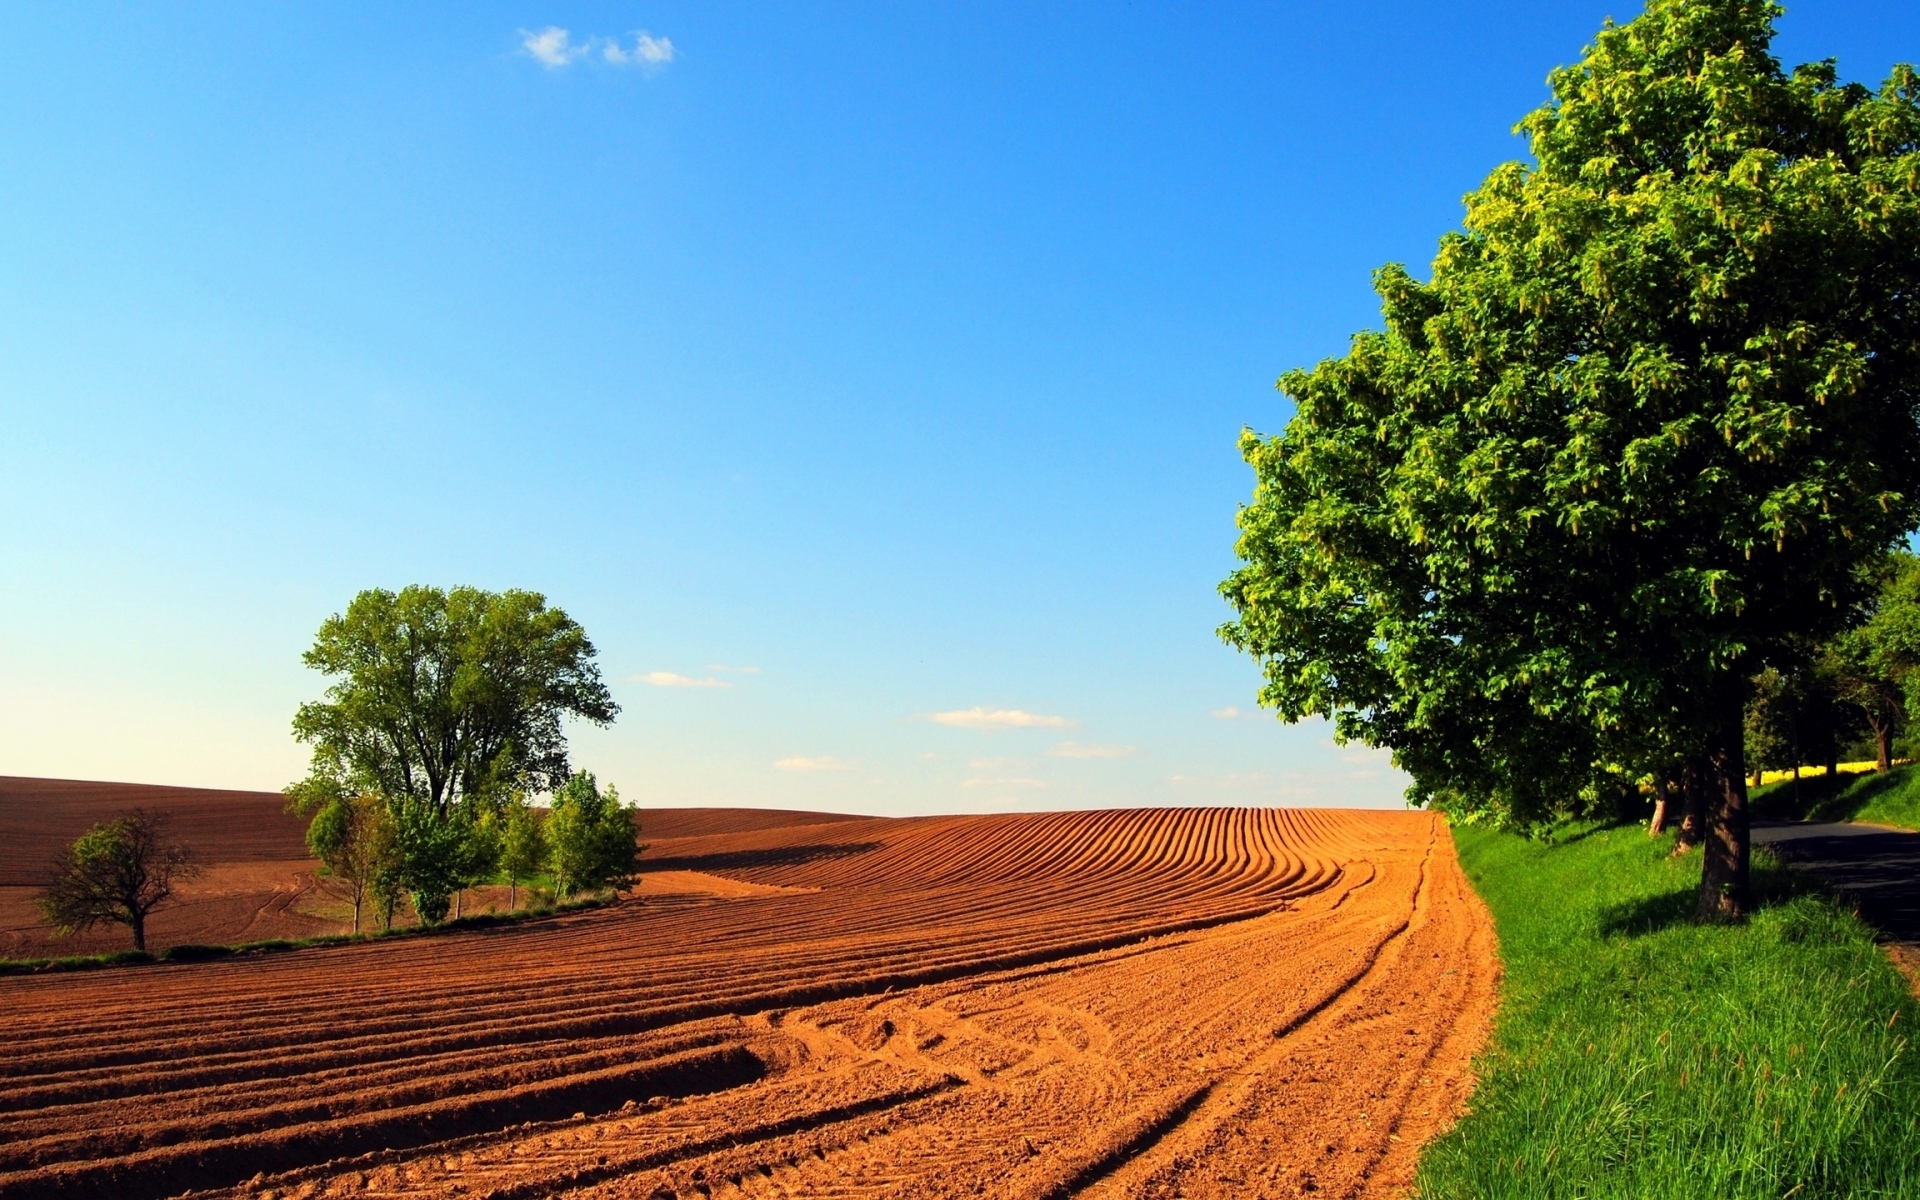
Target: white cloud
(1231, 713)
(1083, 750)
(825, 762)
(552, 46)
(674, 679)
(648, 51)
(1004, 783)
(998, 718)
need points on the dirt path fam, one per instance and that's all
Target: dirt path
(1874, 867)
(1191, 1003)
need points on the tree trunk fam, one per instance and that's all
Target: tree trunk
(513, 893)
(357, 892)
(1883, 733)
(458, 898)
(1693, 791)
(1658, 825)
(138, 923)
(1725, 894)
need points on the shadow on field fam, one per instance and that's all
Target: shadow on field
(740, 860)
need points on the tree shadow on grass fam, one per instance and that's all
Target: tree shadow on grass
(1649, 914)
(1845, 805)
(1772, 884)
(1824, 797)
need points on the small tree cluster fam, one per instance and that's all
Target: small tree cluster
(590, 838)
(383, 848)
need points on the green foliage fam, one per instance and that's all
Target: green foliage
(443, 703)
(1639, 1055)
(591, 838)
(523, 844)
(441, 695)
(1769, 725)
(437, 853)
(1626, 447)
(1877, 663)
(353, 835)
(119, 871)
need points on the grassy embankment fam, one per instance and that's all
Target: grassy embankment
(1638, 1055)
(1890, 799)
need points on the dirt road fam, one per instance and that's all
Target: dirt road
(1143, 1003)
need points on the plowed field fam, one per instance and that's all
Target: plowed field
(1141, 1003)
(258, 881)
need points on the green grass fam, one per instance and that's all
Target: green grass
(1638, 1055)
(1890, 799)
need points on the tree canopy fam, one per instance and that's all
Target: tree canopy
(119, 871)
(1623, 450)
(444, 694)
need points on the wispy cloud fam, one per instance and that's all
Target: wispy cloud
(1084, 750)
(648, 51)
(1231, 713)
(554, 48)
(998, 718)
(674, 679)
(1005, 783)
(825, 762)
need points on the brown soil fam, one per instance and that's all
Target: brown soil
(258, 882)
(1202, 1003)
(39, 818)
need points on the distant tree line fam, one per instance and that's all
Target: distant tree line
(1859, 688)
(584, 842)
(1647, 434)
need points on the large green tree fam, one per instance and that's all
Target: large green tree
(1623, 450)
(444, 703)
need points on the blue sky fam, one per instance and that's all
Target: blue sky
(837, 367)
